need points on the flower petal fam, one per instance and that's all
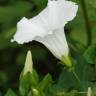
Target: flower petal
(67, 10)
(56, 43)
(27, 31)
(58, 13)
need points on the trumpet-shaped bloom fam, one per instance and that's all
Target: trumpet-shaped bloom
(47, 27)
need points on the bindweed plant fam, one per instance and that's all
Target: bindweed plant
(76, 77)
(31, 85)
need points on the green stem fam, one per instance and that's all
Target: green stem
(88, 27)
(76, 76)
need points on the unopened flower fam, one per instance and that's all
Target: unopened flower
(89, 92)
(48, 27)
(28, 64)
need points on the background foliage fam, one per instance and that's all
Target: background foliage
(81, 36)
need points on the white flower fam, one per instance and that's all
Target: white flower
(48, 27)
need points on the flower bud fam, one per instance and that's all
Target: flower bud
(28, 63)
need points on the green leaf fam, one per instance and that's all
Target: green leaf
(10, 93)
(45, 83)
(85, 73)
(66, 81)
(90, 54)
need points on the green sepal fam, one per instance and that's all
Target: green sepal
(46, 82)
(28, 81)
(67, 61)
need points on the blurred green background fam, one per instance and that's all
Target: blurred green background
(81, 32)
